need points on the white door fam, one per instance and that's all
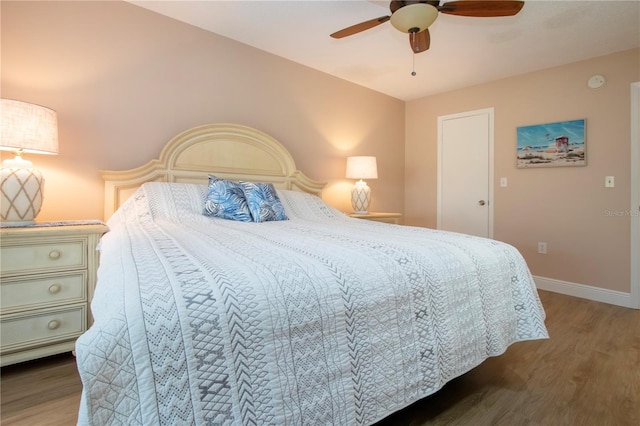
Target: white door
(465, 172)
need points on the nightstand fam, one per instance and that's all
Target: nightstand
(379, 217)
(47, 278)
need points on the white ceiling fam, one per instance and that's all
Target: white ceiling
(464, 51)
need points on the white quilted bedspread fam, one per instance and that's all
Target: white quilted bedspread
(318, 320)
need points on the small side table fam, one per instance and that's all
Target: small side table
(47, 277)
(379, 217)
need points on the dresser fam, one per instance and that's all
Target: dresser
(378, 217)
(47, 278)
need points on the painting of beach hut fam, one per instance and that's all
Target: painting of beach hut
(552, 144)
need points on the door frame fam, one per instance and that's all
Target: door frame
(485, 111)
(635, 196)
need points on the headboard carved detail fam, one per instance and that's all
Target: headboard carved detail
(229, 151)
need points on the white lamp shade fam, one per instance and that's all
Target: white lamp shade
(362, 167)
(28, 127)
(414, 18)
(25, 128)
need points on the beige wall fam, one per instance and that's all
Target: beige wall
(565, 207)
(125, 80)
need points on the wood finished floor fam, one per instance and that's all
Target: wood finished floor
(588, 373)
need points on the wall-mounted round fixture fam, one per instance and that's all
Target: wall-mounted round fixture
(596, 81)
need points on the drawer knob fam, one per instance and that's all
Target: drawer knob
(53, 324)
(54, 254)
(54, 288)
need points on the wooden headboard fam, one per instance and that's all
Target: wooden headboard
(229, 151)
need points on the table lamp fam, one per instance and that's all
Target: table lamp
(26, 128)
(361, 168)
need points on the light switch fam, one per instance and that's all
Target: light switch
(503, 182)
(609, 181)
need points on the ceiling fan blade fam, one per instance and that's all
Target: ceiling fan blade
(360, 27)
(482, 8)
(396, 4)
(420, 41)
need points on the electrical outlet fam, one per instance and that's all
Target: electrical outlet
(542, 248)
(609, 182)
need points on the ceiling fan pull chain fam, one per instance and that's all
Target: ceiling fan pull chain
(412, 34)
(413, 73)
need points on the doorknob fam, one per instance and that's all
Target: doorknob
(481, 202)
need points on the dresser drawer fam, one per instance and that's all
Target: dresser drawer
(38, 256)
(44, 290)
(42, 327)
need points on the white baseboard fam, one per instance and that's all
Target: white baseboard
(583, 291)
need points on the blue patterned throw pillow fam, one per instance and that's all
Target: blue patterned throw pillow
(225, 199)
(263, 202)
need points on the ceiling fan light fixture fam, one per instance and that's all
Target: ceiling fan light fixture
(414, 18)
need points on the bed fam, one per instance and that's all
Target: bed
(319, 319)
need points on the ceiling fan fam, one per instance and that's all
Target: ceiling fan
(414, 17)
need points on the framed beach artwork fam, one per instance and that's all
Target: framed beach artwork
(552, 144)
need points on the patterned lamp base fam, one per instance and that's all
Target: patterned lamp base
(21, 191)
(360, 197)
